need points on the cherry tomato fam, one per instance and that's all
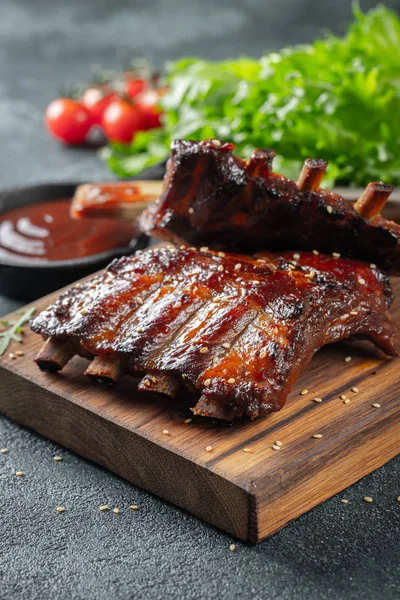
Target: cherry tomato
(96, 101)
(121, 120)
(134, 87)
(68, 120)
(151, 114)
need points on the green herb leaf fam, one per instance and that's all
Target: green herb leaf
(337, 99)
(15, 327)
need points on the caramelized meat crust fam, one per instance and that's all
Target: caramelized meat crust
(210, 197)
(233, 331)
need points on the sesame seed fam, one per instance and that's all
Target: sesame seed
(398, 498)
(78, 285)
(263, 353)
(226, 345)
(347, 359)
(238, 266)
(329, 209)
(209, 449)
(154, 379)
(221, 254)
(134, 507)
(296, 256)
(19, 353)
(191, 210)
(84, 311)
(4, 450)
(261, 260)
(317, 436)
(291, 266)
(256, 282)
(140, 300)
(12, 356)
(139, 329)
(165, 432)
(278, 443)
(275, 447)
(147, 383)
(60, 509)
(204, 249)
(116, 511)
(310, 275)
(367, 499)
(207, 382)
(19, 473)
(231, 380)
(342, 397)
(361, 281)
(354, 312)
(315, 252)
(220, 268)
(376, 405)
(246, 449)
(183, 247)
(317, 400)
(58, 458)
(303, 392)
(203, 350)
(372, 266)
(177, 305)
(188, 421)
(217, 299)
(232, 547)
(336, 254)
(347, 401)
(104, 507)
(354, 390)
(344, 501)
(216, 143)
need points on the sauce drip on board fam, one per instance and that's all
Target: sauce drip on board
(45, 232)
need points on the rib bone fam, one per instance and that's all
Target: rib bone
(106, 369)
(312, 174)
(160, 383)
(373, 199)
(54, 355)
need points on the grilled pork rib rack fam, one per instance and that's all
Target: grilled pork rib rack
(232, 331)
(211, 197)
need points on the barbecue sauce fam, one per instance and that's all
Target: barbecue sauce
(45, 232)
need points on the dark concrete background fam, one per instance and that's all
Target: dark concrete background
(335, 551)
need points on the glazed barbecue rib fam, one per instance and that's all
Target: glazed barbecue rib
(211, 197)
(232, 331)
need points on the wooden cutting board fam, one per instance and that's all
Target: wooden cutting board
(250, 494)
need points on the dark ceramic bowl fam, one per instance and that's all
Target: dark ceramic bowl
(29, 281)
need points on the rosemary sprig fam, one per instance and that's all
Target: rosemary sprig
(14, 328)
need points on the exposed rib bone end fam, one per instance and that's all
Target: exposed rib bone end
(160, 383)
(207, 407)
(54, 355)
(312, 174)
(260, 164)
(106, 369)
(373, 199)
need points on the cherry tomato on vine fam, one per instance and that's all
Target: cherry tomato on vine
(96, 101)
(121, 120)
(151, 115)
(134, 87)
(68, 120)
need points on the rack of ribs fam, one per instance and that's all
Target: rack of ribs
(211, 197)
(232, 331)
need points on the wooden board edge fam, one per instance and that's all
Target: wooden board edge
(304, 496)
(158, 470)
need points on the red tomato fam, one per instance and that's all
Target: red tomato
(121, 120)
(147, 103)
(96, 101)
(135, 86)
(68, 120)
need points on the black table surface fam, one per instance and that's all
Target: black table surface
(159, 551)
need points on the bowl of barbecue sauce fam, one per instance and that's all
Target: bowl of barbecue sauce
(42, 248)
